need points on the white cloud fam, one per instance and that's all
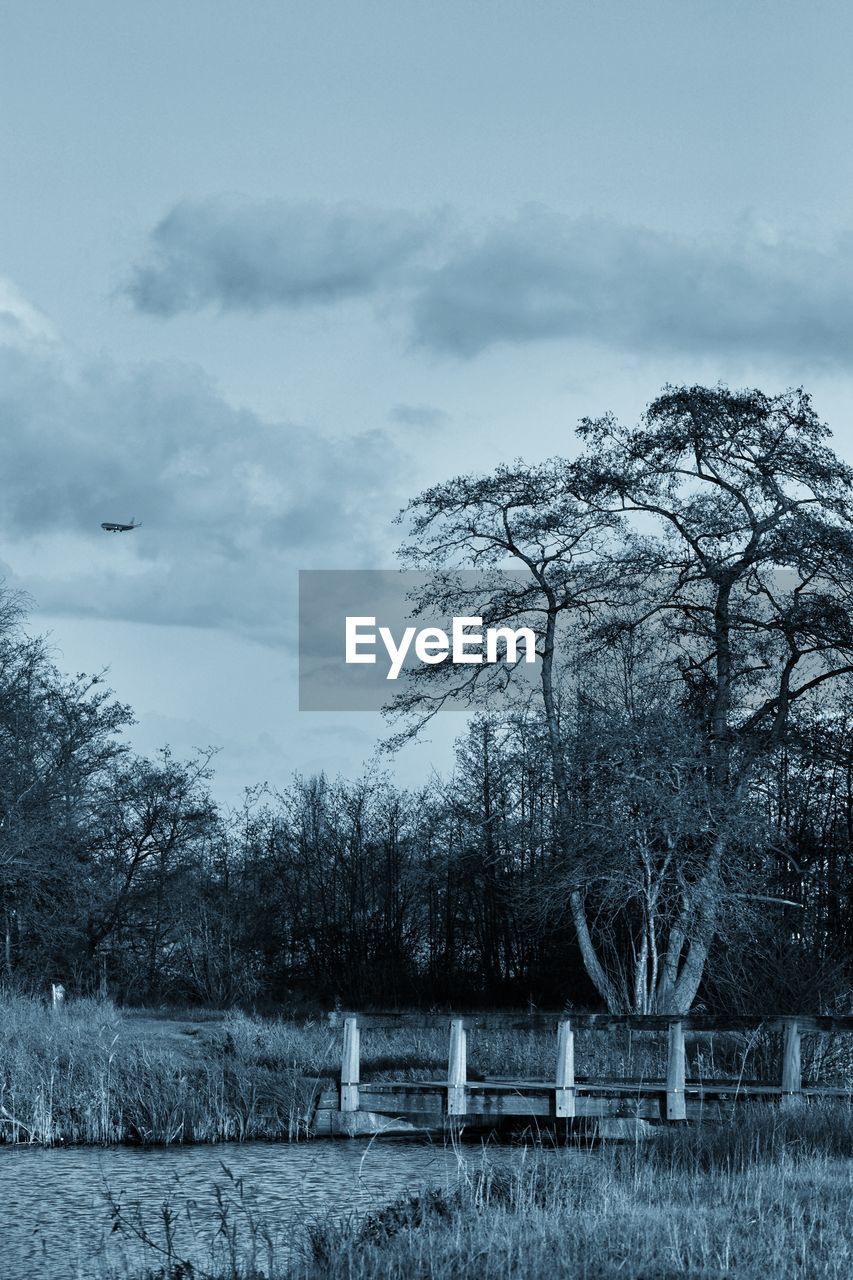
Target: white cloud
(21, 324)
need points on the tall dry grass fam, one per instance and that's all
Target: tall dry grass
(88, 1072)
(768, 1196)
(85, 1073)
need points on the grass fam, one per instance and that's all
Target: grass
(87, 1073)
(91, 1073)
(770, 1195)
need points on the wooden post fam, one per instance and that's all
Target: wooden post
(564, 1094)
(676, 1108)
(349, 1065)
(57, 995)
(792, 1079)
(457, 1069)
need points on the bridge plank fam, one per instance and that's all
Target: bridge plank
(639, 1087)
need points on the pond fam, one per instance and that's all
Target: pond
(57, 1221)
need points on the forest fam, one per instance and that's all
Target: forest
(663, 818)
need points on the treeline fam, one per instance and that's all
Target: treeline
(120, 874)
(662, 814)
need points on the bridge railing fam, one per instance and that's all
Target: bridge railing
(563, 1082)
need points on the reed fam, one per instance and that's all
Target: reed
(751, 1199)
(83, 1073)
(88, 1072)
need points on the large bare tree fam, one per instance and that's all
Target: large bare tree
(722, 527)
(752, 576)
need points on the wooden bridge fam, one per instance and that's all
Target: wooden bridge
(363, 1107)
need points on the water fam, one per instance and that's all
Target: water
(57, 1225)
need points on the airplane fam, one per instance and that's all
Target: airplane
(113, 526)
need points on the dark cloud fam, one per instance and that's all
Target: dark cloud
(536, 276)
(253, 256)
(419, 415)
(231, 504)
(541, 276)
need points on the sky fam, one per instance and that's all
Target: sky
(269, 269)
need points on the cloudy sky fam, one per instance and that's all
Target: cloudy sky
(267, 269)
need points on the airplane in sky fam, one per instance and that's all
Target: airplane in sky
(113, 526)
